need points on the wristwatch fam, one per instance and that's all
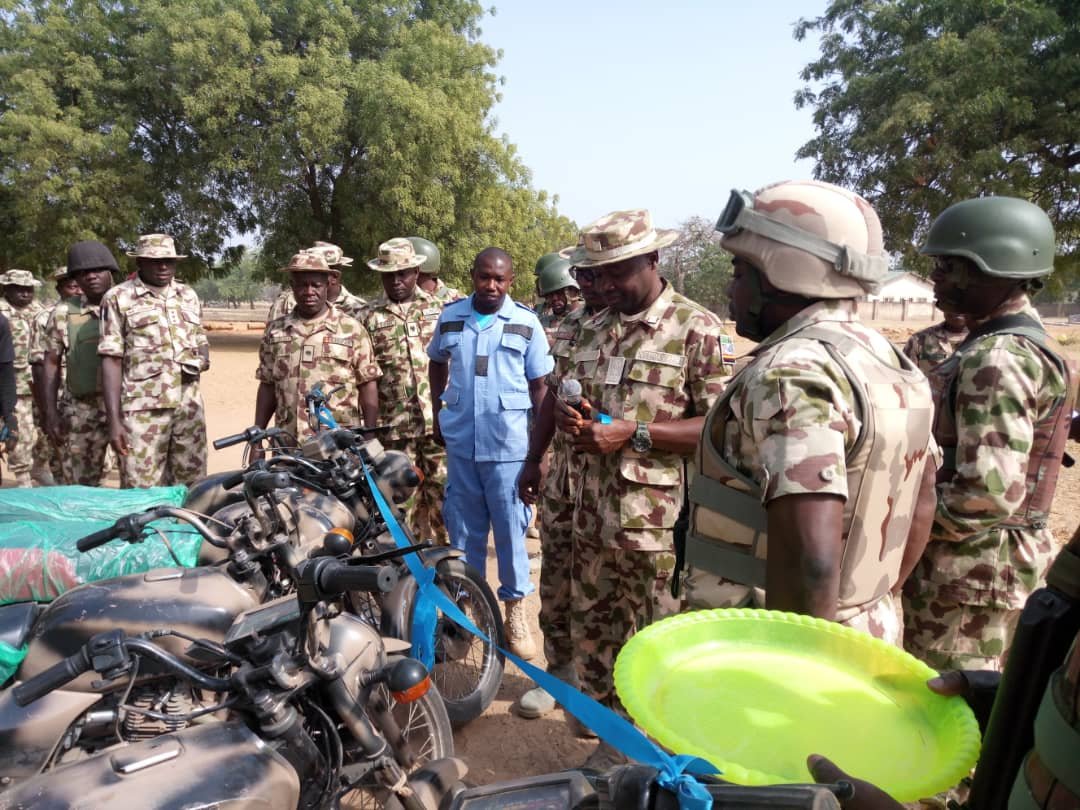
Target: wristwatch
(641, 441)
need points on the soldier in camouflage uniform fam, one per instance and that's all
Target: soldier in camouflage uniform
(21, 310)
(154, 349)
(315, 342)
(556, 517)
(66, 287)
(429, 274)
(9, 425)
(74, 409)
(932, 346)
(336, 293)
(814, 463)
(401, 323)
(1004, 402)
(650, 366)
(558, 289)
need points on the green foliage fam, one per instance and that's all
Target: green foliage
(351, 122)
(922, 103)
(242, 283)
(697, 266)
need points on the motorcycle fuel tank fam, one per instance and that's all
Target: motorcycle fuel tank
(211, 765)
(199, 602)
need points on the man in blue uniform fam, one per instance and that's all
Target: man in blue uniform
(489, 358)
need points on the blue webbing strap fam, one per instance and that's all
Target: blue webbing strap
(674, 772)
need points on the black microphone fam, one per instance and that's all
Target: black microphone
(570, 393)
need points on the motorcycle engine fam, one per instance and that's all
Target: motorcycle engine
(170, 703)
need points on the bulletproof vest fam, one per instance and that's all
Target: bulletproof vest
(1050, 775)
(1051, 432)
(728, 522)
(83, 362)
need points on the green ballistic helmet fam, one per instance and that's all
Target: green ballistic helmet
(425, 247)
(1005, 236)
(553, 275)
(545, 260)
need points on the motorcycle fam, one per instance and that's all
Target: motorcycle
(466, 669)
(294, 711)
(259, 559)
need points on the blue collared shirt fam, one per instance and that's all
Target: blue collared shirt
(486, 404)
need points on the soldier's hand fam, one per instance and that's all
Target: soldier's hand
(866, 795)
(569, 420)
(54, 429)
(598, 438)
(10, 442)
(529, 482)
(118, 440)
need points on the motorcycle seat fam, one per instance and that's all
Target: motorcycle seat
(16, 622)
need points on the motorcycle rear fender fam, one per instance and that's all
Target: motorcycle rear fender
(28, 734)
(397, 605)
(211, 765)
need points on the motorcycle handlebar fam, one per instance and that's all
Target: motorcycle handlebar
(337, 577)
(262, 483)
(54, 677)
(98, 538)
(250, 435)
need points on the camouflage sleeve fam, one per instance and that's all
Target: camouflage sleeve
(706, 371)
(112, 327)
(37, 337)
(367, 368)
(1001, 388)
(201, 339)
(52, 338)
(801, 415)
(265, 371)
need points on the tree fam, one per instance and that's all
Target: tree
(921, 103)
(697, 266)
(351, 122)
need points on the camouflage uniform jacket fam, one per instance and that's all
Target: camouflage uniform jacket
(348, 303)
(796, 421)
(54, 337)
(333, 348)
(159, 334)
(444, 294)
(660, 365)
(562, 475)
(400, 333)
(22, 334)
(932, 346)
(1002, 391)
(550, 321)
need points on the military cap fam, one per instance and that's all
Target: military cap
(332, 254)
(620, 235)
(156, 246)
(19, 278)
(307, 262)
(396, 254)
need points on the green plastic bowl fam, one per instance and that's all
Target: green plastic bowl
(756, 691)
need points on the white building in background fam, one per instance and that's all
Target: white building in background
(904, 286)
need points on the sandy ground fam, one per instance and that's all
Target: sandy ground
(498, 745)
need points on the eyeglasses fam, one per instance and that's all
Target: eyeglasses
(586, 274)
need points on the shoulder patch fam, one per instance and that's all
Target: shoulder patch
(522, 329)
(451, 326)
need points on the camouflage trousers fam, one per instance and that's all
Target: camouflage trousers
(881, 618)
(963, 600)
(87, 441)
(21, 459)
(166, 446)
(423, 511)
(613, 594)
(557, 544)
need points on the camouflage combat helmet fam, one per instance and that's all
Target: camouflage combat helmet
(553, 274)
(1005, 236)
(809, 238)
(425, 247)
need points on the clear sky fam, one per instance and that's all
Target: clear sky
(665, 105)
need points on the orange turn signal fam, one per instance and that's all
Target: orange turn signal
(413, 692)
